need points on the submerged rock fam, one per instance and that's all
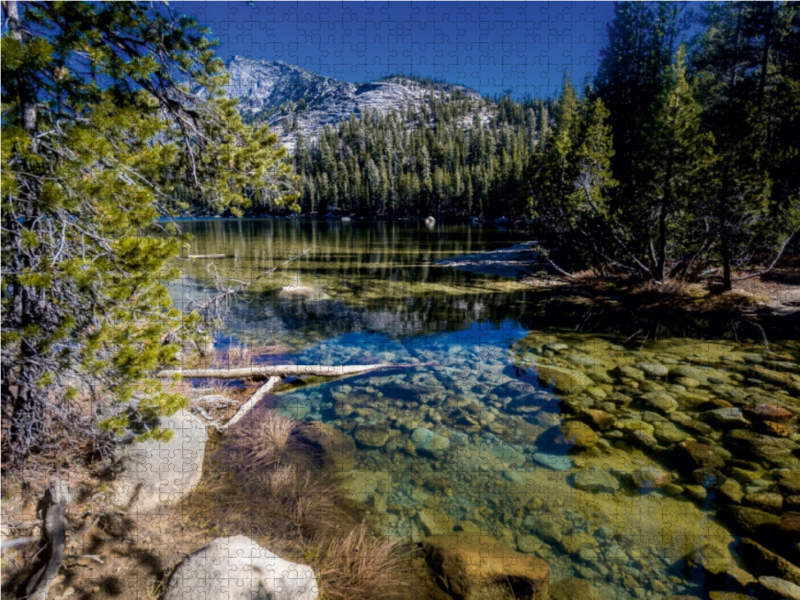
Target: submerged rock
(468, 563)
(237, 568)
(434, 522)
(753, 522)
(573, 588)
(765, 562)
(767, 412)
(659, 400)
(780, 589)
(575, 433)
(557, 462)
(372, 436)
(652, 369)
(692, 455)
(335, 450)
(650, 478)
(429, 442)
(776, 451)
(303, 291)
(729, 418)
(595, 480)
(565, 381)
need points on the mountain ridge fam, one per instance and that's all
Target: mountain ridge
(294, 100)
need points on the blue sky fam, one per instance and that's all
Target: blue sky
(489, 46)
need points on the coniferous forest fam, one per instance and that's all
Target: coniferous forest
(680, 157)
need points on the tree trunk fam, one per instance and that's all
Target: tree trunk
(765, 57)
(55, 537)
(661, 269)
(723, 234)
(27, 102)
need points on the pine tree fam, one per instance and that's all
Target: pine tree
(101, 138)
(669, 176)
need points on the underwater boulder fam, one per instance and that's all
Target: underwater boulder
(468, 564)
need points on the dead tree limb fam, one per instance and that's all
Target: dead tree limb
(55, 538)
(558, 269)
(221, 296)
(20, 541)
(772, 264)
(255, 399)
(265, 371)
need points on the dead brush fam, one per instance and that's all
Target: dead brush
(360, 567)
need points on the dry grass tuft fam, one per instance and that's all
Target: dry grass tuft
(360, 567)
(302, 505)
(264, 441)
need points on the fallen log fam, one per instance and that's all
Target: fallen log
(265, 371)
(255, 399)
(55, 537)
(194, 256)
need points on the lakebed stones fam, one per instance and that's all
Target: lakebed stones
(303, 291)
(660, 401)
(237, 568)
(776, 451)
(727, 418)
(753, 523)
(692, 455)
(372, 436)
(428, 442)
(557, 462)
(652, 369)
(650, 478)
(767, 501)
(468, 564)
(577, 434)
(433, 522)
(775, 588)
(763, 561)
(595, 480)
(573, 588)
(563, 380)
(335, 450)
(767, 412)
(155, 473)
(716, 565)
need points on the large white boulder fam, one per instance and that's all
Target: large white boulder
(237, 568)
(151, 474)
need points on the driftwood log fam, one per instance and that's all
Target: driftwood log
(266, 371)
(54, 537)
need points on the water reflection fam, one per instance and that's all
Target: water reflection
(610, 461)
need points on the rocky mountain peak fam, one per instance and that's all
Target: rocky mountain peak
(293, 100)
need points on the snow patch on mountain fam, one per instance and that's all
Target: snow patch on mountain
(293, 100)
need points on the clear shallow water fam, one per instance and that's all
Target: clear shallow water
(473, 441)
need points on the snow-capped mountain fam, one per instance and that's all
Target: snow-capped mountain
(294, 100)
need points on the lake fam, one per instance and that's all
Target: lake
(607, 456)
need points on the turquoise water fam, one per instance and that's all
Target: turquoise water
(473, 439)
